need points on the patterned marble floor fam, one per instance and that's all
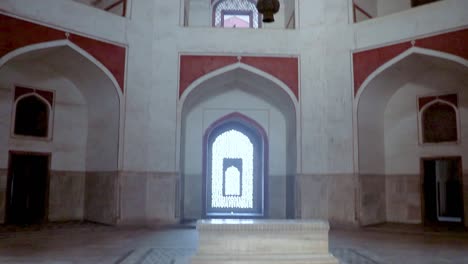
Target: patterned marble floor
(87, 243)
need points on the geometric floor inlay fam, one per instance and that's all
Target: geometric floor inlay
(157, 256)
(181, 256)
(351, 256)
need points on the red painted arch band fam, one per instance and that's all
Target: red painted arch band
(17, 33)
(193, 67)
(368, 61)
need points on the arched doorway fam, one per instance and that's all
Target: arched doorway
(235, 168)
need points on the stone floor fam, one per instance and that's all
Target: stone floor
(89, 243)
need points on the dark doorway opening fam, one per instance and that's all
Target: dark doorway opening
(415, 3)
(32, 117)
(27, 193)
(442, 191)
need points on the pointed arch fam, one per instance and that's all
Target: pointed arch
(454, 126)
(234, 66)
(35, 95)
(229, 68)
(368, 81)
(100, 68)
(63, 43)
(18, 116)
(402, 56)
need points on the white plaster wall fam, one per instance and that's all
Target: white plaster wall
(67, 14)
(200, 14)
(103, 4)
(371, 134)
(402, 148)
(103, 108)
(69, 135)
(411, 23)
(372, 103)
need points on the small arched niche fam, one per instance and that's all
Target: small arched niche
(32, 116)
(439, 123)
(257, 98)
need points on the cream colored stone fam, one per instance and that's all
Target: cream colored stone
(66, 196)
(263, 241)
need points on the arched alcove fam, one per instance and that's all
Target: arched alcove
(259, 98)
(439, 123)
(409, 77)
(84, 147)
(389, 151)
(32, 116)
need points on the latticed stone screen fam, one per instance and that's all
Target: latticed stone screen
(242, 10)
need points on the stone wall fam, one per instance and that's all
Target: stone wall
(66, 195)
(148, 198)
(277, 197)
(101, 197)
(312, 197)
(403, 198)
(162, 197)
(372, 199)
(360, 200)
(331, 197)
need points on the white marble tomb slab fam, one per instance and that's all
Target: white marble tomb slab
(262, 242)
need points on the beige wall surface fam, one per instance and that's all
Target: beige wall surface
(323, 39)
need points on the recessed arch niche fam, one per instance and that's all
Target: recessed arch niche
(387, 128)
(85, 132)
(257, 96)
(379, 111)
